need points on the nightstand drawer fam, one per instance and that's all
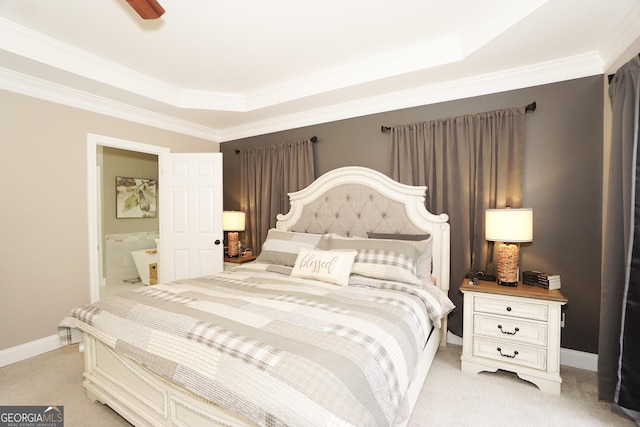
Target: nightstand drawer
(510, 329)
(516, 329)
(511, 307)
(511, 353)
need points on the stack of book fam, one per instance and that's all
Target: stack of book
(540, 279)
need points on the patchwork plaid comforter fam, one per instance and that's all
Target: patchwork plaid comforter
(276, 350)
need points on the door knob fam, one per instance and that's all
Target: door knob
(217, 242)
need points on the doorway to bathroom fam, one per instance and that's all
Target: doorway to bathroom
(190, 203)
(111, 264)
(128, 217)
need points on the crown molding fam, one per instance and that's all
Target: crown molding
(544, 73)
(35, 46)
(42, 89)
(409, 59)
(497, 22)
(420, 56)
(29, 44)
(624, 36)
(549, 72)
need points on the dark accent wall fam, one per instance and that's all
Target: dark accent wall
(563, 182)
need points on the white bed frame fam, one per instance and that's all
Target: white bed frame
(144, 398)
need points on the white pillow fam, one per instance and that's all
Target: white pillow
(327, 266)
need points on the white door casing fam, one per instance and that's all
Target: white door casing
(190, 203)
(93, 141)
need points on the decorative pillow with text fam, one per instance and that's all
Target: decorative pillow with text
(327, 266)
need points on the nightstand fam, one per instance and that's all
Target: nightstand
(229, 262)
(516, 329)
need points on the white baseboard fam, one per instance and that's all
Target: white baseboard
(453, 339)
(30, 349)
(568, 357)
(579, 359)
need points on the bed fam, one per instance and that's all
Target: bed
(336, 323)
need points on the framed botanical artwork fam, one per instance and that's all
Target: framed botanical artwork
(136, 198)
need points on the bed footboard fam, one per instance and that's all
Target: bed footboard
(143, 398)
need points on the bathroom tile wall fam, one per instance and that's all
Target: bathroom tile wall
(119, 263)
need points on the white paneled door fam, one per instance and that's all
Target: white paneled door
(190, 215)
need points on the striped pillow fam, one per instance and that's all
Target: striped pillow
(424, 261)
(381, 258)
(282, 247)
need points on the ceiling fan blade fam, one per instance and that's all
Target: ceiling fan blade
(147, 9)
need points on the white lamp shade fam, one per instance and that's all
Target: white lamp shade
(233, 220)
(509, 225)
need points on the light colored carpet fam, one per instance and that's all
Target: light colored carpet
(55, 378)
(449, 398)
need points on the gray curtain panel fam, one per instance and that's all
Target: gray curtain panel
(267, 175)
(468, 163)
(619, 337)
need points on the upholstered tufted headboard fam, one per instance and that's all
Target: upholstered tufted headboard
(354, 201)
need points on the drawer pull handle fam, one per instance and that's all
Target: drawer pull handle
(508, 308)
(515, 331)
(515, 353)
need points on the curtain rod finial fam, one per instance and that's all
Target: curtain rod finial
(530, 107)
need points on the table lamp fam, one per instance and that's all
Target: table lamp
(232, 222)
(510, 227)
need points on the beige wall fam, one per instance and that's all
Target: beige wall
(43, 216)
(131, 164)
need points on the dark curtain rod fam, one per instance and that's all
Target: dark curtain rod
(313, 139)
(529, 108)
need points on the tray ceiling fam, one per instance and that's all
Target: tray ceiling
(226, 70)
